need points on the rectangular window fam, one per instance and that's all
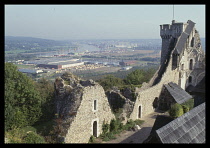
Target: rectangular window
(95, 103)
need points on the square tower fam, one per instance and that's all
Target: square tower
(169, 34)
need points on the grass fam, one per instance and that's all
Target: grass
(24, 66)
(42, 129)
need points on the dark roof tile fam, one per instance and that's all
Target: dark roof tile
(179, 95)
(188, 128)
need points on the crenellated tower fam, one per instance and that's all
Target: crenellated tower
(169, 34)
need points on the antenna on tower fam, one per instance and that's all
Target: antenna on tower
(173, 12)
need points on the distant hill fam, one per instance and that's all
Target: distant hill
(30, 43)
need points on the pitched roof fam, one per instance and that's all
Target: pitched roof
(188, 128)
(180, 44)
(199, 88)
(179, 95)
(189, 27)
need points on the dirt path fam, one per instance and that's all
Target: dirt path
(137, 136)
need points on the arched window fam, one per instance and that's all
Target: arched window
(190, 79)
(192, 42)
(95, 129)
(182, 67)
(191, 64)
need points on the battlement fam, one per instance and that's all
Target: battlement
(174, 29)
(165, 27)
(165, 31)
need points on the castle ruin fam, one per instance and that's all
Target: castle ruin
(84, 107)
(182, 62)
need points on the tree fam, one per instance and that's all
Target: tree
(109, 81)
(46, 89)
(22, 100)
(136, 77)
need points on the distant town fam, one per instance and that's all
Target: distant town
(87, 58)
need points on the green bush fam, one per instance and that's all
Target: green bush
(109, 136)
(130, 124)
(185, 108)
(92, 139)
(114, 125)
(109, 81)
(33, 137)
(139, 122)
(189, 103)
(176, 110)
(105, 128)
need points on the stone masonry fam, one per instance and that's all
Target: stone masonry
(83, 108)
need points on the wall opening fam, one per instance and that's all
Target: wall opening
(191, 64)
(192, 41)
(182, 67)
(174, 61)
(95, 128)
(139, 111)
(190, 79)
(95, 105)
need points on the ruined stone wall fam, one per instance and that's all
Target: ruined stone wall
(145, 98)
(82, 127)
(179, 75)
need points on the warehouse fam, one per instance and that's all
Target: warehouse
(59, 65)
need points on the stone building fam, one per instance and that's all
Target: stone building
(171, 93)
(182, 62)
(82, 107)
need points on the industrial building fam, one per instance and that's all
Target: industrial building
(60, 65)
(56, 63)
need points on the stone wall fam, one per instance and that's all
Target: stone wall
(82, 127)
(146, 97)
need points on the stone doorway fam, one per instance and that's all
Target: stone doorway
(95, 128)
(139, 111)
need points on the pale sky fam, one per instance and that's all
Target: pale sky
(63, 22)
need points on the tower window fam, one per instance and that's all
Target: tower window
(190, 79)
(191, 64)
(182, 67)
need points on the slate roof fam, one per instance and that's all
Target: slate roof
(180, 44)
(183, 38)
(179, 95)
(188, 128)
(199, 88)
(189, 27)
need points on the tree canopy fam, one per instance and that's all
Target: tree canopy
(22, 100)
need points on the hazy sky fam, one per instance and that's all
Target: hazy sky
(62, 22)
